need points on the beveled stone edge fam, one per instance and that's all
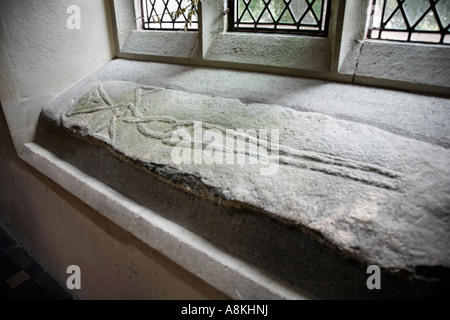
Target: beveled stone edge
(230, 275)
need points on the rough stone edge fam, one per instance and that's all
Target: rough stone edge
(230, 275)
(200, 189)
(196, 186)
(412, 274)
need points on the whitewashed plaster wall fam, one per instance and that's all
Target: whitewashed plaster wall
(39, 59)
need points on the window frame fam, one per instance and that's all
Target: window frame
(319, 33)
(345, 55)
(410, 30)
(140, 12)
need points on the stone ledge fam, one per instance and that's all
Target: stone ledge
(298, 236)
(233, 276)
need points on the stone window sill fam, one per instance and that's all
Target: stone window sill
(345, 55)
(249, 254)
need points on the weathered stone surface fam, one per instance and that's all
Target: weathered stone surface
(373, 195)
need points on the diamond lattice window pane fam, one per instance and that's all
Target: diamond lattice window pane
(411, 20)
(168, 15)
(396, 22)
(428, 23)
(443, 9)
(298, 8)
(299, 16)
(414, 10)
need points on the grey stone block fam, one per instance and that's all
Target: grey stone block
(344, 195)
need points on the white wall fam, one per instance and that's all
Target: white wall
(40, 57)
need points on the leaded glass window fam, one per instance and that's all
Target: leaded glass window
(411, 20)
(169, 15)
(290, 16)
